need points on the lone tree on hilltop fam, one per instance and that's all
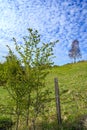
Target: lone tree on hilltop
(74, 52)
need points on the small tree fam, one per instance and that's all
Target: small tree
(28, 83)
(14, 84)
(74, 52)
(36, 58)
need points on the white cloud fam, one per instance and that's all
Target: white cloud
(54, 19)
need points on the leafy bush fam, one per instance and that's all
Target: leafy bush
(5, 123)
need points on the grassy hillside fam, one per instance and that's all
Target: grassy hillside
(72, 79)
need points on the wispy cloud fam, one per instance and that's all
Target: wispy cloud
(54, 19)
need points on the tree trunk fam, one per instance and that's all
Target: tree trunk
(27, 117)
(18, 116)
(74, 59)
(17, 125)
(27, 113)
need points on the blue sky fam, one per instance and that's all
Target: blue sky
(65, 20)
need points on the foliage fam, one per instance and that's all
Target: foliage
(5, 123)
(2, 74)
(26, 74)
(14, 83)
(74, 52)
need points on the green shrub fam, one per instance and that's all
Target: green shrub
(5, 123)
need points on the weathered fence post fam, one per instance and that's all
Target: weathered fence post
(58, 108)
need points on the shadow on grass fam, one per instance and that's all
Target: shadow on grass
(78, 124)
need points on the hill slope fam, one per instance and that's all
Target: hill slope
(73, 88)
(72, 80)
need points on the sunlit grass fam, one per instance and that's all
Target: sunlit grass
(72, 80)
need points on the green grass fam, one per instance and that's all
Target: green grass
(72, 80)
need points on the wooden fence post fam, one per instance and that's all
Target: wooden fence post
(58, 108)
